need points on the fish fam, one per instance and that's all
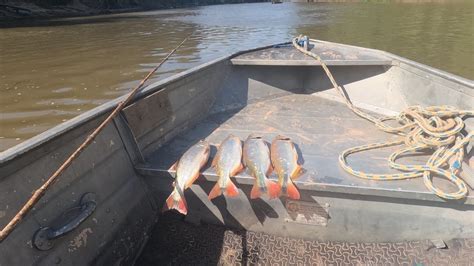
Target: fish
(285, 162)
(257, 159)
(187, 171)
(227, 162)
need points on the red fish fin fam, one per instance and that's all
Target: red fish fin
(292, 191)
(255, 193)
(215, 192)
(179, 205)
(231, 190)
(174, 166)
(182, 208)
(272, 188)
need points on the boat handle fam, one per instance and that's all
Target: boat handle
(42, 239)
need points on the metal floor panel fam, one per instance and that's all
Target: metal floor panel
(321, 130)
(175, 242)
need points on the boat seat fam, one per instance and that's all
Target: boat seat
(332, 54)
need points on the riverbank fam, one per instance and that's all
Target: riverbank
(11, 10)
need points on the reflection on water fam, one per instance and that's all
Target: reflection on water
(51, 71)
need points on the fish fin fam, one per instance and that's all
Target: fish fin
(172, 204)
(182, 206)
(255, 193)
(272, 188)
(231, 190)
(174, 166)
(299, 171)
(281, 190)
(292, 191)
(215, 192)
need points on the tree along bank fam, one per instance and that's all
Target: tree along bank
(15, 9)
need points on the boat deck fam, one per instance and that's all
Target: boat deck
(174, 242)
(321, 130)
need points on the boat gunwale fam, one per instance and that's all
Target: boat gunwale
(432, 70)
(36, 141)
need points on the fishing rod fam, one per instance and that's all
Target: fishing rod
(39, 193)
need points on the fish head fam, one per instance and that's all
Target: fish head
(236, 139)
(204, 144)
(232, 137)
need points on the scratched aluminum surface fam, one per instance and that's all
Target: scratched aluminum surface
(174, 242)
(332, 54)
(321, 130)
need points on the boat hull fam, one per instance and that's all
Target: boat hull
(268, 91)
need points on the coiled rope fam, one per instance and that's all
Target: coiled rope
(433, 128)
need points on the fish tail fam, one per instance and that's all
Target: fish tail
(273, 189)
(282, 189)
(231, 190)
(256, 192)
(215, 192)
(292, 191)
(269, 187)
(281, 185)
(178, 203)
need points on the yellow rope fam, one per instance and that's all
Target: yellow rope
(435, 128)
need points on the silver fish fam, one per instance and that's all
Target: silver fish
(285, 162)
(187, 171)
(257, 160)
(227, 162)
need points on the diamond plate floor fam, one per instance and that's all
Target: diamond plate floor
(175, 242)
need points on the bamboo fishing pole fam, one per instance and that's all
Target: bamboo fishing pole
(38, 194)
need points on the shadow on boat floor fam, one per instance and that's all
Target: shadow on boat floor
(175, 242)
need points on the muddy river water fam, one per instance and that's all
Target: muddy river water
(53, 70)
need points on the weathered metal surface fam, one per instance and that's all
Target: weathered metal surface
(175, 242)
(160, 116)
(321, 129)
(241, 100)
(44, 238)
(332, 54)
(304, 212)
(105, 169)
(129, 140)
(141, 119)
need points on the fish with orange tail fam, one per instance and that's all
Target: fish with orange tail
(227, 162)
(187, 171)
(285, 162)
(257, 159)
